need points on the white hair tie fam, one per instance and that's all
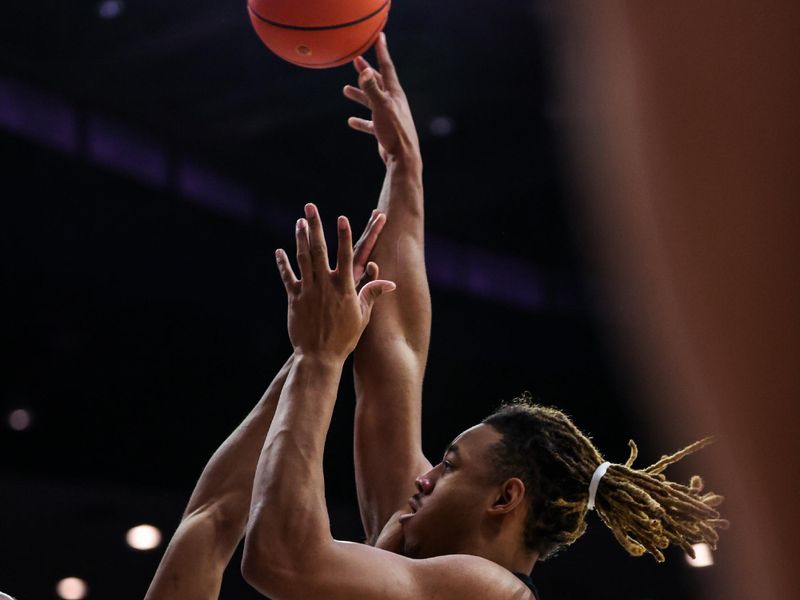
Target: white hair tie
(598, 475)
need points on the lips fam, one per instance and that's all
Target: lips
(415, 506)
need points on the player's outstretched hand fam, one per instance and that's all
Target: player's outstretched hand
(365, 271)
(381, 92)
(326, 314)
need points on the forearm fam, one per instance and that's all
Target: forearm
(288, 514)
(226, 483)
(216, 515)
(400, 254)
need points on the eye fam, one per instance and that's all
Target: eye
(447, 466)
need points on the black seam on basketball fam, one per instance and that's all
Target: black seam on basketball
(316, 27)
(345, 57)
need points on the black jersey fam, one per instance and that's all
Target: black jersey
(526, 579)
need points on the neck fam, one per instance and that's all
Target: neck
(515, 559)
(502, 543)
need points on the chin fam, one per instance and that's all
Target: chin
(410, 550)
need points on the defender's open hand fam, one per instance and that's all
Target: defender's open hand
(391, 123)
(326, 314)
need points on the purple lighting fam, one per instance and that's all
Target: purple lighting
(483, 274)
(50, 122)
(38, 116)
(214, 191)
(113, 145)
(110, 9)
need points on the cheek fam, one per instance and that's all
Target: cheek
(457, 501)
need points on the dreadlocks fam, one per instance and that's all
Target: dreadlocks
(645, 511)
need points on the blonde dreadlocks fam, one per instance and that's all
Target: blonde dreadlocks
(645, 511)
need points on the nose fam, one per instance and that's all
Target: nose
(425, 483)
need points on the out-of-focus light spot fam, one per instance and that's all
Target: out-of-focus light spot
(110, 9)
(702, 556)
(143, 537)
(72, 588)
(442, 126)
(19, 419)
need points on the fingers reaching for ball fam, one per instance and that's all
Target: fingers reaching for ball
(356, 95)
(362, 64)
(391, 121)
(363, 125)
(389, 78)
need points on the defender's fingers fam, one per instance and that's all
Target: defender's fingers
(362, 125)
(385, 63)
(316, 238)
(358, 258)
(303, 251)
(368, 227)
(344, 260)
(368, 240)
(372, 271)
(371, 292)
(356, 95)
(287, 273)
(373, 215)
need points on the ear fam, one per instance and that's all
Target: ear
(509, 497)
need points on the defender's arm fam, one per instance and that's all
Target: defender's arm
(215, 518)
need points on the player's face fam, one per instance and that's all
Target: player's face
(449, 508)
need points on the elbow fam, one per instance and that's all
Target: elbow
(270, 575)
(258, 569)
(275, 562)
(251, 572)
(268, 565)
(278, 547)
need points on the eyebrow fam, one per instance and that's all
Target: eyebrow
(451, 448)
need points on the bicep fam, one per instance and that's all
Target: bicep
(194, 561)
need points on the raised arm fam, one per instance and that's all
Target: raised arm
(215, 518)
(391, 355)
(289, 551)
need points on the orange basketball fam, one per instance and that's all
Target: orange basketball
(318, 33)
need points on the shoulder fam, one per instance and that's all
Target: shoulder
(466, 576)
(345, 570)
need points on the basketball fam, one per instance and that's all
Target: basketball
(318, 34)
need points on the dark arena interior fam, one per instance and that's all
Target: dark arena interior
(155, 154)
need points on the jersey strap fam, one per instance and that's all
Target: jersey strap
(526, 579)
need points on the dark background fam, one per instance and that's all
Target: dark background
(151, 165)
